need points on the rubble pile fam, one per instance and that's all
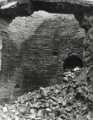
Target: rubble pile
(68, 101)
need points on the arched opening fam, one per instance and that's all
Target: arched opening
(72, 61)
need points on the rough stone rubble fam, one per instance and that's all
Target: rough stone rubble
(68, 101)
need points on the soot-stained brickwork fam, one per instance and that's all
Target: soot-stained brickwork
(36, 47)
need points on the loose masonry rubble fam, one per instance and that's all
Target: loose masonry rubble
(68, 101)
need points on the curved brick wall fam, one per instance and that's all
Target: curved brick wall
(41, 43)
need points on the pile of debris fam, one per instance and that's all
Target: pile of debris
(68, 101)
(72, 73)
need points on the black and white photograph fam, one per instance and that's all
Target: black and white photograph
(46, 59)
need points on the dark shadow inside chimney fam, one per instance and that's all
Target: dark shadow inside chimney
(72, 61)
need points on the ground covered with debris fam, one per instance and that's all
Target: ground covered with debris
(72, 100)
